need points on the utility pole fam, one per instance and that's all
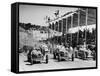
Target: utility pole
(71, 38)
(66, 29)
(62, 30)
(78, 25)
(86, 25)
(71, 27)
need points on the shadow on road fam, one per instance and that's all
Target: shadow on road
(35, 62)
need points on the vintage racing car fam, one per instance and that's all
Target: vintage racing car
(37, 55)
(61, 53)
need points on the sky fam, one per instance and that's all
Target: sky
(36, 14)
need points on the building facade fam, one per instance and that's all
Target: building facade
(75, 26)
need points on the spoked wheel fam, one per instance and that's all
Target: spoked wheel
(84, 56)
(46, 59)
(72, 57)
(94, 56)
(59, 57)
(54, 55)
(31, 61)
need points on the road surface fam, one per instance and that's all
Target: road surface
(53, 64)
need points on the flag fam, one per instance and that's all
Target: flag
(56, 13)
(47, 18)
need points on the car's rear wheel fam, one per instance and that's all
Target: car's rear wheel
(59, 57)
(31, 61)
(84, 56)
(72, 57)
(46, 59)
(94, 56)
(54, 55)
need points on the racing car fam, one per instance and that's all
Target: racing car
(37, 55)
(61, 53)
(86, 52)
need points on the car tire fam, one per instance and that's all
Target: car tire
(54, 55)
(31, 60)
(59, 57)
(84, 56)
(93, 54)
(46, 59)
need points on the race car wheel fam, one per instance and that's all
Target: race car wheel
(94, 56)
(72, 57)
(31, 61)
(54, 55)
(84, 56)
(59, 57)
(46, 59)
